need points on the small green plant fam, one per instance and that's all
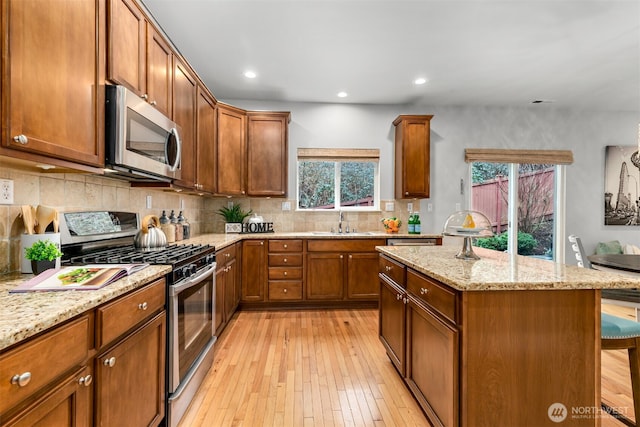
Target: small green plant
(42, 250)
(234, 213)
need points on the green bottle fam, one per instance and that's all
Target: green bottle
(417, 228)
(411, 224)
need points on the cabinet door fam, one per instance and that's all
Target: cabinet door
(219, 317)
(184, 114)
(230, 301)
(230, 151)
(267, 154)
(325, 276)
(206, 142)
(412, 156)
(130, 378)
(391, 324)
(53, 81)
(432, 364)
(159, 71)
(254, 270)
(67, 404)
(362, 276)
(126, 63)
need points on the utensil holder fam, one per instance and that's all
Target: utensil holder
(26, 240)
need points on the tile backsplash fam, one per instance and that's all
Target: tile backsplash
(75, 192)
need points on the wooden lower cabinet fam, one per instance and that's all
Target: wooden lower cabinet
(227, 283)
(362, 276)
(67, 404)
(325, 276)
(130, 378)
(254, 270)
(432, 363)
(392, 324)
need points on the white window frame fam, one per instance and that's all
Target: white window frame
(340, 156)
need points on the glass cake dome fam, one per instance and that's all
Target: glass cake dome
(467, 224)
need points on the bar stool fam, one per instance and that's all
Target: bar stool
(617, 334)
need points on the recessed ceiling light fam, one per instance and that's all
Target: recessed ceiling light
(420, 81)
(342, 94)
(250, 74)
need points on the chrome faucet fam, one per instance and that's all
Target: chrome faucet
(340, 221)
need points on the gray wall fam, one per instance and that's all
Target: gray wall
(453, 129)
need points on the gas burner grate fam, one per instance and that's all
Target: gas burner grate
(170, 255)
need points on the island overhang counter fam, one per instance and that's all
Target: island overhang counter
(500, 341)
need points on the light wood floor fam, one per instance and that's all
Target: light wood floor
(328, 368)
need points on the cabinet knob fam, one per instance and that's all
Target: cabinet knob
(405, 300)
(21, 139)
(285, 290)
(286, 246)
(284, 260)
(406, 193)
(387, 268)
(153, 102)
(142, 306)
(110, 362)
(262, 243)
(341, 256)
(86, 380)
(285, 273)
(398, 297)
(21, 379)
(228, 255)
(144, 96)
(424, 291)
(350, 256)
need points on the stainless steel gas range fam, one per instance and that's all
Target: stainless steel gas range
(106, 237)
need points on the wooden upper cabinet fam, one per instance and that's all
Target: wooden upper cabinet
(53, 59)
(159, 71)
(184, 114)
(267, 142)
(412, 156)
(139, 57)
(231, 150)
(127, 54)
(206, 142)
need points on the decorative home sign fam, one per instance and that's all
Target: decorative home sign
(621, 185)
(257, 227)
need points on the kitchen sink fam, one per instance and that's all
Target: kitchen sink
(333, 233)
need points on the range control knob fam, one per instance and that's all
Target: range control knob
(186, 272)
(193, 268)
(210, 259)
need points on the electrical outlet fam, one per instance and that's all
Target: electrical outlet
(389, 206)
(410, 207)
(429, 207)
(286, 206)
(181, 204)
(457, 206)
(6, 192)
(149, 201)
(230, 204)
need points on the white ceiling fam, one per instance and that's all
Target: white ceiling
(578, 54)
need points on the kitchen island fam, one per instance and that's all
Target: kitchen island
(495, 341)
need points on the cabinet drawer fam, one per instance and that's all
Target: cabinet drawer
(285, 290)
(116, 318)
(392, 269)
(44, 358)
(434, 295)
(293, 245)
(285, 273)
(225, 255)
(279, 260)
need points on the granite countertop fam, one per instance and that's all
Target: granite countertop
(495, 271)
(23, 315)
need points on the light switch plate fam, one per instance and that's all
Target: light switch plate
(389, 206)
(149, 202)
(286, 206)
(6, 192)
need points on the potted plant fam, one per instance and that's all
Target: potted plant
(233, 216)
(43, 255)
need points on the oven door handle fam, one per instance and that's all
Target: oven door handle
(191, 281)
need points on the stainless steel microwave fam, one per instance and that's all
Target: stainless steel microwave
(141, 143)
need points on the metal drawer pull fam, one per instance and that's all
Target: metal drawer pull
(387, 268)
(405, 300)
(424, 291)
(21, 139)
(22, 379)
(85, 381)
(143, 306)
(110, 362)
(398, 297)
